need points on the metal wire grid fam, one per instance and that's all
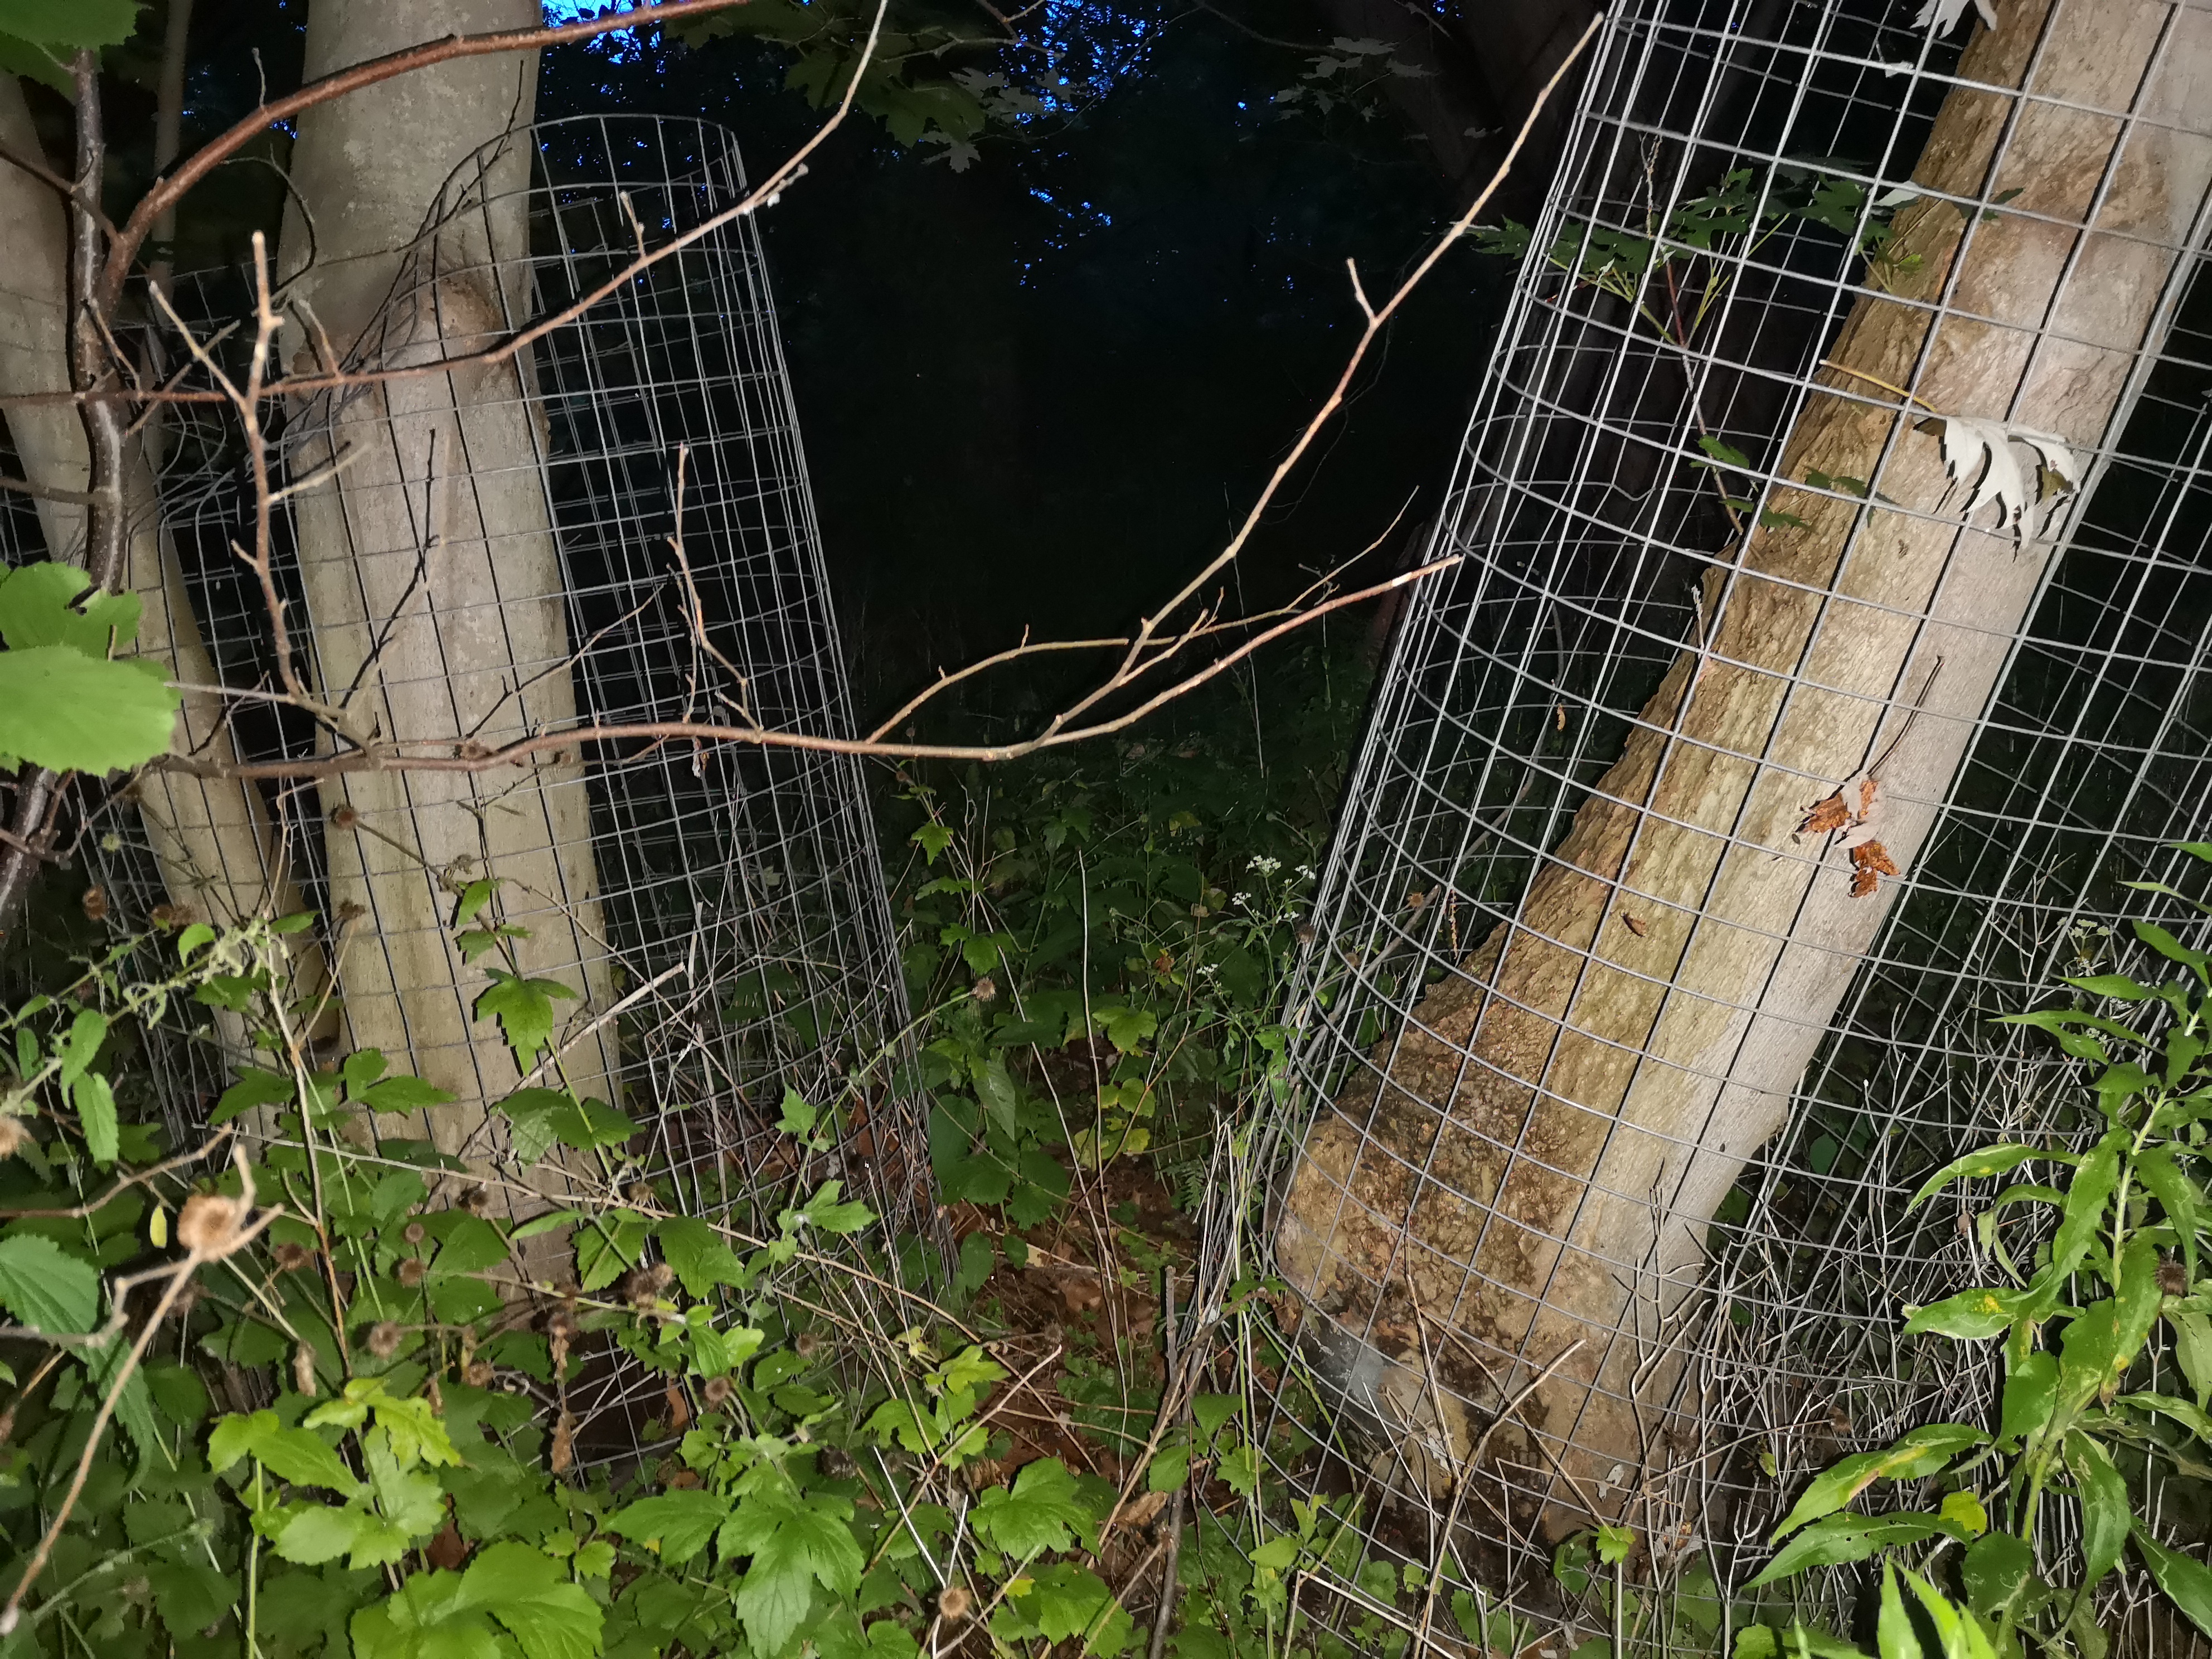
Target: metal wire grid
(1587, 513)
(732, 896)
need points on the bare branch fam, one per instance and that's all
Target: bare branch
(392, 756)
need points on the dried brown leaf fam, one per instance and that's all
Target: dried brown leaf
(1872, 856)
(1633, 925)
(1827, 816)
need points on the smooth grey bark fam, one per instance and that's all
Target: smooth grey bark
(433, 589)
(1535, 1161)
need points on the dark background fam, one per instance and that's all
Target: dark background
(1039, 392)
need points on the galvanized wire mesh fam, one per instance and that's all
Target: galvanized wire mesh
(1705, 1307)
(723, 914)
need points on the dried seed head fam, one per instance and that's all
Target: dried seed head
(953, 1602)
(414, 1232)
(345, 817)
(291, 1257)
(806, 1344)
(639, 1192)
(642, 1286)
(2172, 1278)
(984, 989)
(95, 903)
(383, 1339)
(12, 1134)
(477, 1373)
(172, 915)
(411, 1272)
(476, 1201)
(209, 1224)
(303, 1370)
(350, 910)
(564, 1444)
(716, 1392)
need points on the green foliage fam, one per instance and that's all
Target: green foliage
(2100, 1321)
(64, 705)
(38, 37)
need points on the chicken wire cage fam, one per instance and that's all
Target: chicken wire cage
(1751, 755)
(615, 529)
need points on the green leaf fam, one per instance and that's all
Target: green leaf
(2118, 986)
(530, 1593)
(2030, 1392)
(698, 1255)
(401, 1094)
(1988, 1161)
(825, 1213)
(792, 1542)
(66, 24)
(474, 898)
(297, 1456)
(1726, 453)
(2107, 1515)
(1239, 1469)
(798, 1117)
(1998, 1570)
(994, 1087)
(2186, 1581)
(309, 1535)
(2182, 1200)
(2159, 940)
(46, 1289)
(95, 1116)
(1968, 1316)
(1894, 1637)
(1842, 1538)
(2085, 1355)
(79, 1049)
(524, 1009)
(932, 839)
(1211, 1411)
(2194, 1419)
(254, 1088)
(1041, 1510)
(1921, 1452)
(1962, 1638)
(604, 1251)
(2192, 1350)
(70, 713)
(683, 1521)
(2086, 1196)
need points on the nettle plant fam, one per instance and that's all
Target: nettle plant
(2106, 1331)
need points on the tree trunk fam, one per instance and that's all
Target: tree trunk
(1534, 1160)
(211, 839)
(433, 589)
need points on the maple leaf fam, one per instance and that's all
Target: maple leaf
(1870, 860)
(1826, 816)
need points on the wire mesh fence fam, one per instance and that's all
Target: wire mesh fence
(1828, 651)
(613, 526)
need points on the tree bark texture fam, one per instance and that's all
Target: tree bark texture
(1534, 1160)
(212, 838)
(434, 590)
